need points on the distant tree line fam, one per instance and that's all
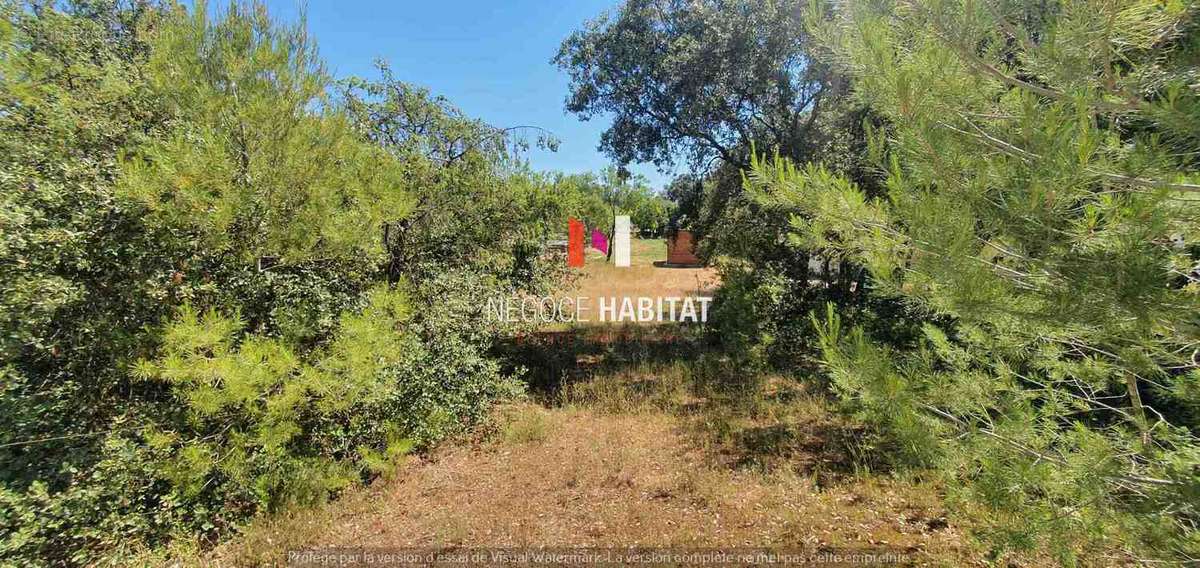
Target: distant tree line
(596, 198)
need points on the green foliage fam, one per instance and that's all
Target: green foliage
(251, 165)
(687, 193)
(451, 380)
(771, 284)
(702, 82)
(475, 205)
(582, 196)
(81, 274)
(596, 199)
(697, 80)
(263, 422)
(208, 313)
(649, 212)
(745, 309)
(409, 121)
(862, 373)
(115, 506)
(630, 194)
(1039, 201)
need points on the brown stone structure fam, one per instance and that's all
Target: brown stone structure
(681, 250)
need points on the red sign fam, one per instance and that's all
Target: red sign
(575, 243)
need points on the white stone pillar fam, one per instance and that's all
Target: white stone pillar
(621, 241)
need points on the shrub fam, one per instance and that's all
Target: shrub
(210, 315)
(1038, 203)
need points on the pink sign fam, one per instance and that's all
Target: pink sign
(599, 241)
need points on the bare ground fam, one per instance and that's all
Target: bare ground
(644, 277)
(621, 444)
(578, 476)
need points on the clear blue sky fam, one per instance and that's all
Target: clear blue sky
(490, 58)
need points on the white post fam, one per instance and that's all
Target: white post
(621, 241)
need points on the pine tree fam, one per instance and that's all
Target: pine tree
(1041, 197)
(277, 190)
(268, 422)
(260, 163)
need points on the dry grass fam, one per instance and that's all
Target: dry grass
(526, 424)
(637, 451)
(642, 278)
(610, 480)
(630, 446)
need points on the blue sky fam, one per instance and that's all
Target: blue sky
(490, 58)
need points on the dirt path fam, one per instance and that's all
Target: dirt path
(627, 442)
(579, 477)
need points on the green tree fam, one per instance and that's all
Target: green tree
(254, 165)
(1040, 198)
(195, 321)
(630, 194)
(698, 80)
(699, 83)
(582, 196)
(475, 203)
(284, 201)
(80, 273)
(83, 281)
(687, 193)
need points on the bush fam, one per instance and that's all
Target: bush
(211, 314)
(1045, 224)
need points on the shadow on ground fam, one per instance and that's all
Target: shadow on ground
(744, 418)
(554, 360)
